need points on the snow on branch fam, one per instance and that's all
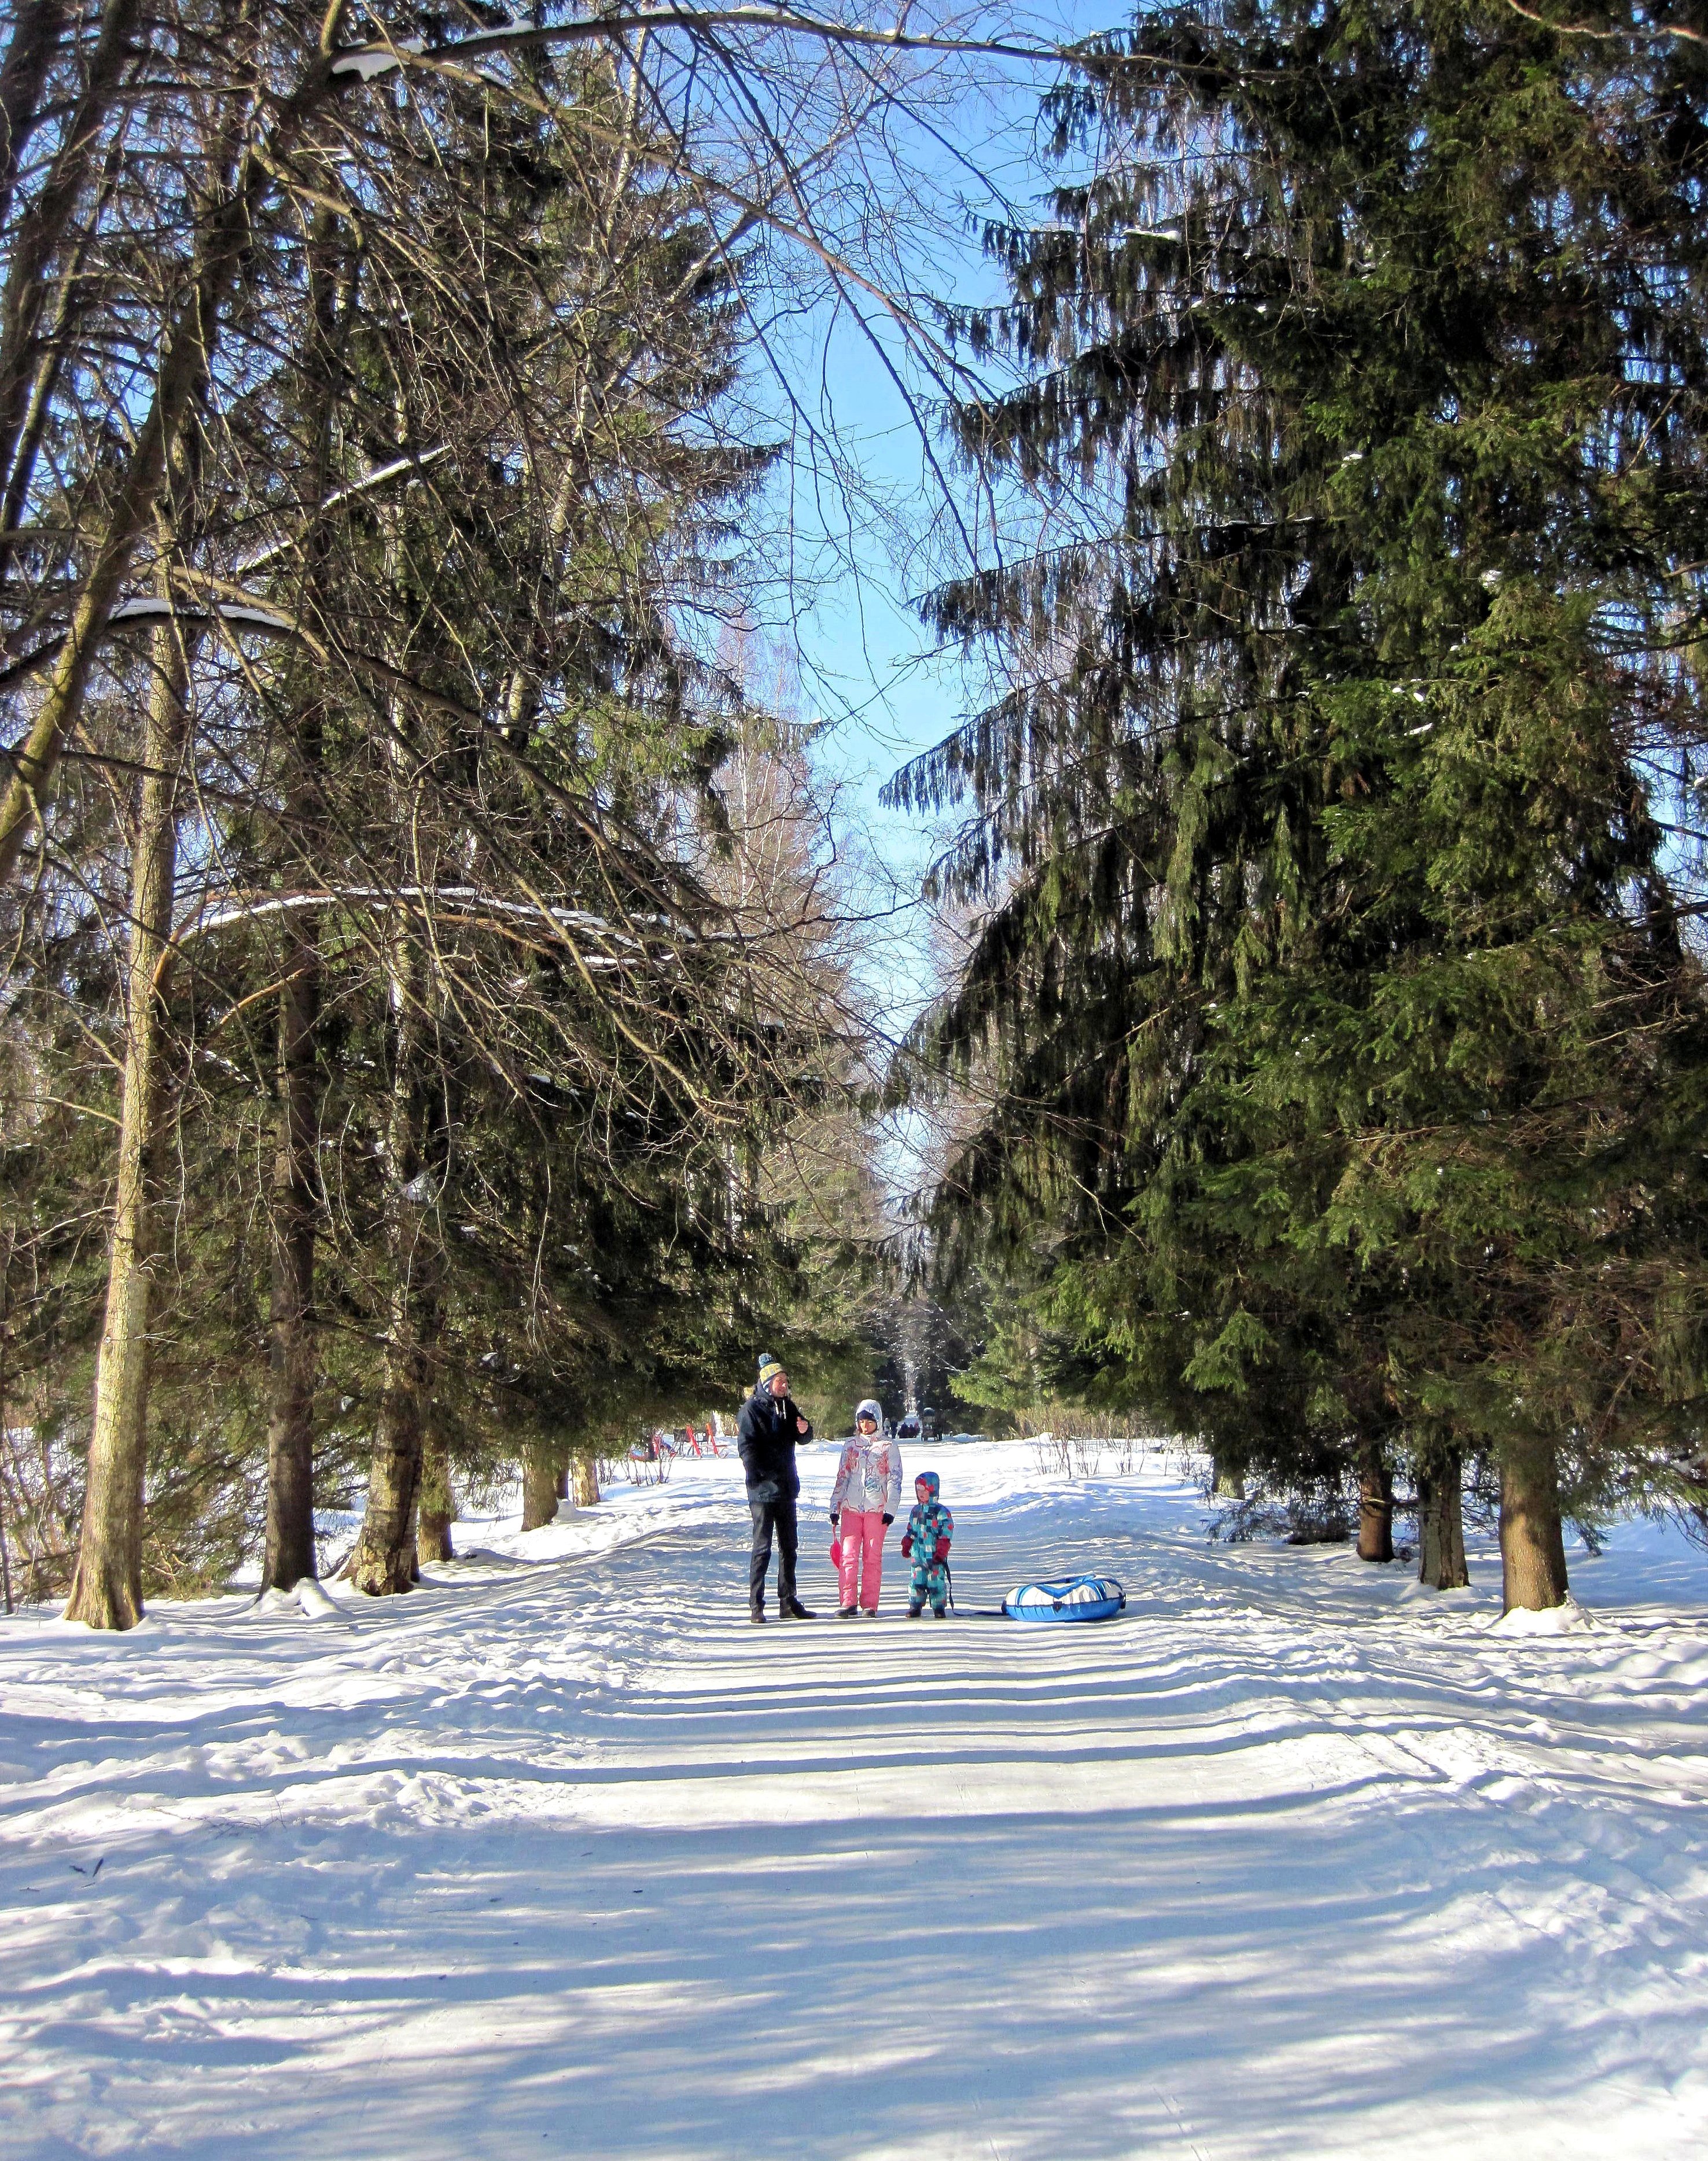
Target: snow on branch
(245, 908)
(150, 607)
(414, 462)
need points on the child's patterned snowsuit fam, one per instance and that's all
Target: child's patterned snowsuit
(928, 1521)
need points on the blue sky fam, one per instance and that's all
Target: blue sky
(867, 664)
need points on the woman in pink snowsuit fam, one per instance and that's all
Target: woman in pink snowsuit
(862, 1508)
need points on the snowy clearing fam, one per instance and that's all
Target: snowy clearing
(560, 1856)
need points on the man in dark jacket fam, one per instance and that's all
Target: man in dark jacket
(767, 1430)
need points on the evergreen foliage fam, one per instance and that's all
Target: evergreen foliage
(1336, 821)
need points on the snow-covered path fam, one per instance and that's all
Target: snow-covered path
(563, 1857)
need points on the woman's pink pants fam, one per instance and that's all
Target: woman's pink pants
(861, 1533)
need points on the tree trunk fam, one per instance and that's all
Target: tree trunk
(290, 1483)
(106, 1589)
(36, 31)
(563, 1463)
(1227, 1483)
(383, 1561)
(438, 1505)
(584, 1481)
(1442, 1522)
(5, 1444)
(296, 1178)
(1533, 1544)
(5, 1553)
(540, 1486)
(239, 185)
(1375, 1503)
(38, 234)
(56, 340)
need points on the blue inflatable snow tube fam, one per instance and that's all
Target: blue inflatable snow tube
(1079, 1598)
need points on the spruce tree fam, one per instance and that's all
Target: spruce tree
(1334, 969)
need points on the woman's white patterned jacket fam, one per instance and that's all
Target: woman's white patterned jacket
(869, 1476)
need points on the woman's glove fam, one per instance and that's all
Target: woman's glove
(942, 1552)
(888, 1521)
(833, 1519)
(907, 1545)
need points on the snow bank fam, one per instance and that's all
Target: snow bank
(1566, 1619)
(313, 1600)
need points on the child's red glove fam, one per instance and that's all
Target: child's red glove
(942, 1552)
(907, 1545)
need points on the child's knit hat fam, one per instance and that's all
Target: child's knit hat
(927, 1478)
(869, 1409)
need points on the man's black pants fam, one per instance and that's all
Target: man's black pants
(768, 1514)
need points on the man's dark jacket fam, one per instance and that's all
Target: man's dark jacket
(766, 1435)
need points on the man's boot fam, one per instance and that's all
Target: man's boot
(791, 1609)
(755, 1614)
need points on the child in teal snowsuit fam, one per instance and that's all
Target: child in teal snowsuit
(931, 1527)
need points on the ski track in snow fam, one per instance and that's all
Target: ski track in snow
(561, 1857)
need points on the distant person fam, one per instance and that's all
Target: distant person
(770, 1427)
(862, 1508)
(931, 1527)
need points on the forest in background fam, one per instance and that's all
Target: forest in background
(440, 1030)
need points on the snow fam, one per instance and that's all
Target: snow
(1561, 1620)
(146, 608)
(559, 1855)
(217, 913)
(370, 62)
